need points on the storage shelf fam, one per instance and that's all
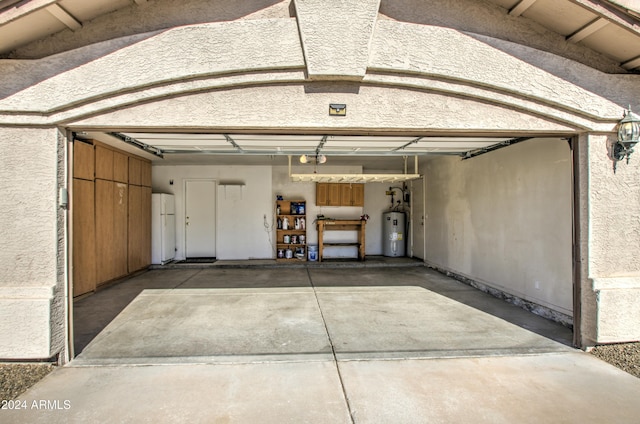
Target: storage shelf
(284, 207)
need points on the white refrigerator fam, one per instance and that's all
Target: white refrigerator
(163, 228)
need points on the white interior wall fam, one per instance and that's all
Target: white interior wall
(505, 219)
(375, 202)
(240, 223)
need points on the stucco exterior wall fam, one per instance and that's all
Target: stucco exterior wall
(30, 295)
(155, 15)
(505, 219)
(492, 21)
(467, 15)
(531, 85)
(611, 276)
(430, 68)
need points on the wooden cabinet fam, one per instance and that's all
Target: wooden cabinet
(352, 195)
(345, 195)
(291, 232)
(139, 228)
(145, 174)
(83, 160)
(84, 253)
(104, 230)
(322, 194)
(111, 214)
(120, 228)
(135, 168)
(104, 163)
(111, 229)
(145, 212)
(328, 194)
(120, 167)
(337, 194)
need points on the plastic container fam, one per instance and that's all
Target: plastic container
(313, 252)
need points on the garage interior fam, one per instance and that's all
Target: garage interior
(495, 212)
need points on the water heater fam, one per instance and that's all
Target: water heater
(393, 233)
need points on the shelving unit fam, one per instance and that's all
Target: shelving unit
(292, 215)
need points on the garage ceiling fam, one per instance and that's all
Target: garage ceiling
(265, 144)
(380, 153)
(609, 27)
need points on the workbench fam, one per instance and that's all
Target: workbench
(341, 225)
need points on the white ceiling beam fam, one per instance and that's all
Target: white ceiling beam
(65, 17)
(24, 9)
(587, 30)
(521, 7)
(353, 178)
(632, 63)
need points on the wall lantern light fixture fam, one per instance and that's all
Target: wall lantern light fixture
(628, 137)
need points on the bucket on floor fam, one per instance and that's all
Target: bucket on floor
(313, 252)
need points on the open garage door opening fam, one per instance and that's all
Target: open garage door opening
(494, 212)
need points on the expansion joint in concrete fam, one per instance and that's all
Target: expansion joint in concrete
(333, 350)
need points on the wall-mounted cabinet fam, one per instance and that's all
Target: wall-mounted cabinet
(337, 194)
(352, 194)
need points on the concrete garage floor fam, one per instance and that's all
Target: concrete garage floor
(326, 345)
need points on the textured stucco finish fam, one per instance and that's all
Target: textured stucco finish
(25, 320)
(504, 219)
(611, 284)
(156, 15)
(481, 18)
(494, 22)
(370, 107)
(266, 52)
(613, 203)
(28, 212)
(460, 67)
(336, 38)
(177, 54)
(29, 246)
(451, 54)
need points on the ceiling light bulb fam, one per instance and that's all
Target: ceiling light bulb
(304, 159)
(321, 159)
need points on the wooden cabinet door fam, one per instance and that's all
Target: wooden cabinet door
(120, 220)
(83, 161)
(84, 254)
(104, 163)
(345, 194)
(139, 228)
(357, 194)
(322, 194)
(104, 231)
(145, 219)
(134, 242)
(120, 167)
(145, 173)
(334, 194)
(135, 171)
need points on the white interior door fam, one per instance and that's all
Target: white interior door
(417, 224)
(200, 219)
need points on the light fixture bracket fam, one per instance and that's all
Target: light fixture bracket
(628, 137)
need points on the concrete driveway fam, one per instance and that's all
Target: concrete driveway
(324, 345)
